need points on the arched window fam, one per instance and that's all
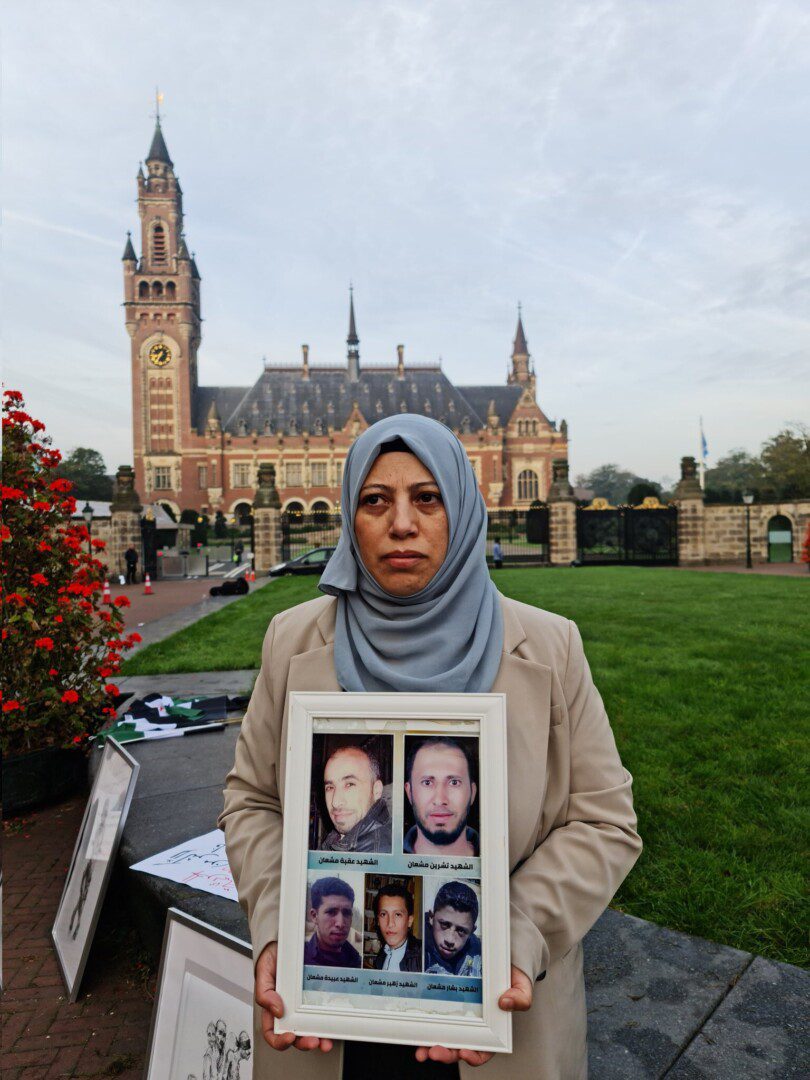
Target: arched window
(294, 508)
(242, 513)
(143, 290)
(528, 486)
(171, 290)
(158, 245)
(157, 290)
(320, 511)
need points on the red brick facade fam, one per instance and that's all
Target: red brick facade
(198, 447)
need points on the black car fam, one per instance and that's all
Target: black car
(311, 562)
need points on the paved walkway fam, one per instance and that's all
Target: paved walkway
(44, 1036)
(761, 569)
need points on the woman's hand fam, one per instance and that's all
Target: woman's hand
(518, 998)
(272, 1006)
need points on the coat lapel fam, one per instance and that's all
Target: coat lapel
(527, 686)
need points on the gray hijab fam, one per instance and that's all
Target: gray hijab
(447, 637)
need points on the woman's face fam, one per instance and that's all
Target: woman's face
(401, 524)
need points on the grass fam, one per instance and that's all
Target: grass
(705, 678)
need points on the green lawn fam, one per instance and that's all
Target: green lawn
(705, 677)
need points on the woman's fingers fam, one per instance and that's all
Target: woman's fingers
(518, 998)
(448, 1057)
(474, 1057)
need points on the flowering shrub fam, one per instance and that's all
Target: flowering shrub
(59, 644)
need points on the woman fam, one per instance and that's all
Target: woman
(411, 607)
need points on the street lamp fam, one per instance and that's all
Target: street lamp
(748, 499)
(87, 514)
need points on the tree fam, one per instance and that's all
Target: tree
(642, 490)
(60, 642)
(608, 482)
(87, 473)
(732, 476)
(786, 463)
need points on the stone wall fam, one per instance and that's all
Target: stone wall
(724, 530)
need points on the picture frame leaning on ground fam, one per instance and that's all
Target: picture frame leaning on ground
(394, 916)
(203, 1013)
(92, 862)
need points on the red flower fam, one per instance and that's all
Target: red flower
(122, 601)
(10, 706)
(76, 738)
(40, 505)
(15, 598)
(13, 395)
(58, 619)
(53, 671)
(99, 545)
(108, 711)
(70, 697)
(39, 579)
(105, 672)
(135, 636)
(85, 605)
(10, 492)
(61, 485)
(5, 532)
(112, 690)
(104, 615)
(43, 546)
(44, 643)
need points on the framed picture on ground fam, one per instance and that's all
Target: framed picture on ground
(92, 863)
(202, 1020)
(394, 920)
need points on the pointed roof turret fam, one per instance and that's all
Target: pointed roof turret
(352, 339)
(195, 273)
(521, 348)
(129, 251)
(158, 150)
(182, 249)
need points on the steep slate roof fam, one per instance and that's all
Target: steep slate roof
(282, 402)
(129, 250)
(505, 398)
(520, 346)
(158, 151)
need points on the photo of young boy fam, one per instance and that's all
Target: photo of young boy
(392, 945)
(452, 946)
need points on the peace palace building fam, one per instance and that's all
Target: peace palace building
(199, 447)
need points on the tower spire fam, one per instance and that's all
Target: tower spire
(521, 372)
(353, 342)
(158, 151)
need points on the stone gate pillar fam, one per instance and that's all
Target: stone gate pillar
(266, 521)
(562, 516)
(125, 521)
(688, 496)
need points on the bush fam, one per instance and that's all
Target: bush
(60, 644)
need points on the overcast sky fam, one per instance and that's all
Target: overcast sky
(635, 173)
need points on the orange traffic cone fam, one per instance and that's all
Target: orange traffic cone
(105, 596)
(147, 586)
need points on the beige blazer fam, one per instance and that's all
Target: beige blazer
(572, 829)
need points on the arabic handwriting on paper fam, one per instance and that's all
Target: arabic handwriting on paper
(200, 863)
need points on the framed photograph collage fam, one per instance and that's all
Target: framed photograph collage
(394, 910)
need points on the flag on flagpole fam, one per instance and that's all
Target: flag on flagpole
(704, 453)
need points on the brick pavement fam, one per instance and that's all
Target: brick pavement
(104, 1033)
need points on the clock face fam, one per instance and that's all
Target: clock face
(160, 354)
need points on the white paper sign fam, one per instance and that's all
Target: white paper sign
(200, 863)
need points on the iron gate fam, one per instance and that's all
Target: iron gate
(303, 532)
(639, 536)
(522, 534)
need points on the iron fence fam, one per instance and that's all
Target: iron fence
(302, 532)
(522, 534)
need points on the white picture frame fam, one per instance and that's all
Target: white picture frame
(92, 862)
(451, 1000)
(203, 1010)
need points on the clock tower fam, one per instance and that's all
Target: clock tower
(162, 312)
